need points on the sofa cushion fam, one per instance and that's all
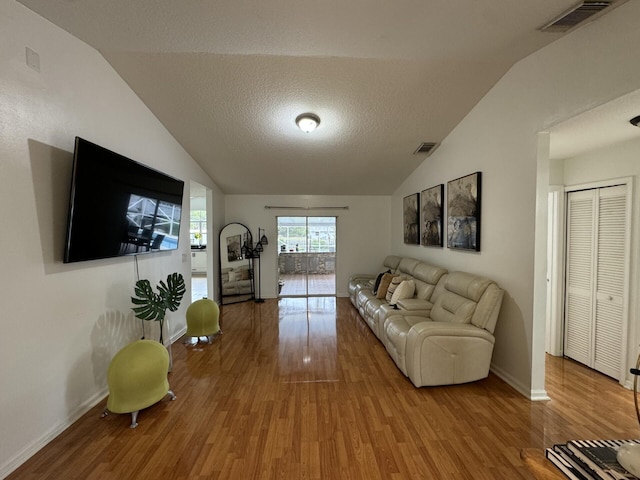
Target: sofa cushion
(395, 281)
(467, 285)
(384, 285)
(428, 273)
(458, 302)
(406, 289)
(407, 266)
(453, 308)
(392, 262)
(364, 296)
(488, 308)
(427, 277)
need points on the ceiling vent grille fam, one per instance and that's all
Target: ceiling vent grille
(426, 147)
(576, 15)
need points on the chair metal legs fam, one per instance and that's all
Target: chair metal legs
(208, 339)
(134, 418)
(134, 415)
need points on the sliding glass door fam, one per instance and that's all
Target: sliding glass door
(307, 256)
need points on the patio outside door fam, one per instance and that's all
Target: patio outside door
(307, 256)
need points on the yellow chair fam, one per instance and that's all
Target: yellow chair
(137, 378)
(203, 319)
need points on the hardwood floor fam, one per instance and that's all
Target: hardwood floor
(297, 285)
(301, 389)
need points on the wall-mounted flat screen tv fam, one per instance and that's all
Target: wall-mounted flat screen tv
(119, 207)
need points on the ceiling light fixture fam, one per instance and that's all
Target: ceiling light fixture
(635, 121)
(307, 122)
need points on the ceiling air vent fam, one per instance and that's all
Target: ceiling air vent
(576, 15)
(426, 147)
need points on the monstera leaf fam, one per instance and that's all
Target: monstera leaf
(153, 306)
(173, 291)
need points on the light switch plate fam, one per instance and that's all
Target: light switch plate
(33, 59)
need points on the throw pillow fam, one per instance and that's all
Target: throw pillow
(244, 274)
(384, 285)
(406, 289)
(378, 279)
(395, 281)
(232, 276)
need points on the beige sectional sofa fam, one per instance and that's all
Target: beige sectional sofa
(236, 281)
(376, 310)
(444, 333)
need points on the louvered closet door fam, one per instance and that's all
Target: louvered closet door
(610, 280)
(580, 253)
(596, 252)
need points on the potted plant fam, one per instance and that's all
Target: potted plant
(153, 306)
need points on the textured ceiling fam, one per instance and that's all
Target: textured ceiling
(603, 125)
(228, 78)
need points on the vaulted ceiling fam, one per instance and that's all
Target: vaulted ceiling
(228, 78)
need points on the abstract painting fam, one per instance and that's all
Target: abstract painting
(411, 220)
(431, 213)
(463, 212)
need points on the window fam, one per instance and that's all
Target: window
(307, 234)
(198, 227)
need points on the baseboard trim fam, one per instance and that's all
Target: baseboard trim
(533, 395)
(35, 446)
(176, 336)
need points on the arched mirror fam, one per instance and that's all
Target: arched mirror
(236, 273)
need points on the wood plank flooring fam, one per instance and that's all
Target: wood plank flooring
(301, 389)
(297, 284)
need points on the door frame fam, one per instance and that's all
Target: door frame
(205, 199)
(556, 322)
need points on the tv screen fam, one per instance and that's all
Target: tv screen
(119, 207)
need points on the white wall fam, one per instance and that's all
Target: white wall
(616, 161)
(363, 231)
(589, 67)
(62, 323)
(213, 203)
(610, 162)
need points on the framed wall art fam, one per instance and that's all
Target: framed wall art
(410, 219)
(234, 248)
(431, 213)
(463, 212)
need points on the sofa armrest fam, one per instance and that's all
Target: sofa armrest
(414, 304)
(359, 277)
(426, 329)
